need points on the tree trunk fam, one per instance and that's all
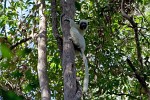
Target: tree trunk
(55, 27)
(72, 90)
(42, 58)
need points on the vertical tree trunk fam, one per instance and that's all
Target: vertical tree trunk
(42, 58)
(55, 26)
(72, 90)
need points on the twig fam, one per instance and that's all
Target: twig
(120, 94)
(132, 26)
(20, 42)
(142, 15)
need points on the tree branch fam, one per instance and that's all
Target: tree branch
(55, 27)
(20, 42)
(141, 80)
(120, 94)
(134, 25)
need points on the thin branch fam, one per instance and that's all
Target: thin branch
(142, 14)
(55, 27)
(141, 80)
(123, 13)
(20, 42)
(134, 25)
(120, 94)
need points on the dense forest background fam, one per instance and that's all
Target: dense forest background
(117, 49)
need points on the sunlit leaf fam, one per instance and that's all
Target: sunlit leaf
(5, 51)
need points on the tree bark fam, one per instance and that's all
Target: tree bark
(42, 58)
(72, 90)
(55, 27)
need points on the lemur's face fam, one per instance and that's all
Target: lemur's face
(83, 24)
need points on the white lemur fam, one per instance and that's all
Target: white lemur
(77, 32)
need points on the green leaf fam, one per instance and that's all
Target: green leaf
(24, 52)
(78, 6)
(5, 51)
(10, 95)
(17, 74)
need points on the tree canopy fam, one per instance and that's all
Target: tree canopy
(117, 49)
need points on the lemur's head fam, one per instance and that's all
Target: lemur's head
(83, 24)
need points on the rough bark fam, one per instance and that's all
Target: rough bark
(55, 27)
(42, 58)
(72, 90)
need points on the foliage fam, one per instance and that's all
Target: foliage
(110, 41)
